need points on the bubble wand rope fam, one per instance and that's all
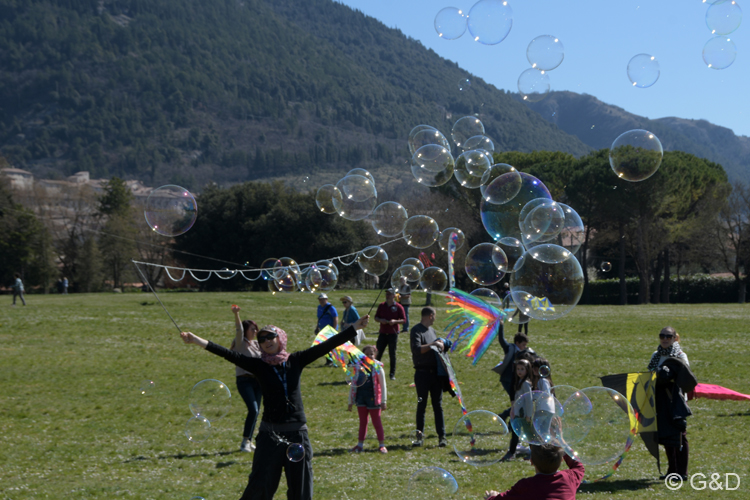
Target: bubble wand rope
(385, 281)
(179, 330)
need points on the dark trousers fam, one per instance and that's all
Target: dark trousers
(428, 384)
(18, 294)
(678, 458)
(270, 459)
(391, 339)
(249, 389)
(508, 386)
(524, 327)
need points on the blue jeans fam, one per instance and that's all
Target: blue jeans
(249, 389)
(406, 313)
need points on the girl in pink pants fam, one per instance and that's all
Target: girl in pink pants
(370, 399)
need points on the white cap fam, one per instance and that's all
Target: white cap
(322, 296)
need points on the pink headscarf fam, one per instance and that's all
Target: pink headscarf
(282, 355)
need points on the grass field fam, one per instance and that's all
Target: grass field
(73, 423)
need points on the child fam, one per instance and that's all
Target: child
(545, 405)
(370, 398)
(521, 386)
(548, 483)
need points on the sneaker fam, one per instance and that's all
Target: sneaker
(443, 442)
(419, 441)
(383, 449)
(393, 376)
(356, 449)
(247, 446)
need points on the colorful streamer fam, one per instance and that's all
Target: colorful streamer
(452, 244)
(472, 322)
(346, 354)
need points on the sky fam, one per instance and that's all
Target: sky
(599, 38)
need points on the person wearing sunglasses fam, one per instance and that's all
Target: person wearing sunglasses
(673, 380)
(283, 421)
(247, 385)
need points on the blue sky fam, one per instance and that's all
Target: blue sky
(600, 37)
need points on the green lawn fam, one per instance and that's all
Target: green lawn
(73, 423)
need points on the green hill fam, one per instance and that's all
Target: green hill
(190, 91)
(576, 113)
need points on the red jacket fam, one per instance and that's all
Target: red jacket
(561, 485)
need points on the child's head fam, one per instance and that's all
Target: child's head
(370, 351)
(523, 371)
(521, 341)
(538, 363)
(546, 458)
(16, 275)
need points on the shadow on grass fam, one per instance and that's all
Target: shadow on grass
(179, 456)
(617, 485)
(737, 414)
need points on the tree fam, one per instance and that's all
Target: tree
(117, 241)
(733, 235)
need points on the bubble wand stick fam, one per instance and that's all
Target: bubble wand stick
(179, 330)
(385, 281)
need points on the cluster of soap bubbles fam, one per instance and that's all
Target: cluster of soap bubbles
(723, 17)
(595, 425)
(210, 400)
(285, 275)
(488, 22)
(170, 210)
(354, 196)
(544, 53)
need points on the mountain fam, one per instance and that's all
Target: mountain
(598, 124)
(190, 92)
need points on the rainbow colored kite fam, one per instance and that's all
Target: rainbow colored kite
(473, 322)
(346, 354)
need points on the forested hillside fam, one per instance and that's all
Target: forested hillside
(598, 124)
(189, 91)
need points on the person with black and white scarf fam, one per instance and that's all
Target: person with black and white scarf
(673, 380)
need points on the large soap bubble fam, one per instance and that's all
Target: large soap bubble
(210, 399)
(411, 272)
(541, 220)
(431, 483)
(324, 198)
(490, 21)
(413, 261)
(643, 70)
(480, 438)
(719, 52)
(363, 173)
(514, 315)
(413, 133)
(722, 18)
(373, 260)
(533, 85)
(450, 23)
(358, 197)
(432, 165)
(547, 282)
(198, 429)
(388, 219)
(429, 136)
(571, 235)
(465, 128)
(445, 237)
(603, 424)
(535, 409)
(486, 264)
(500, 184)
(329, 276)
(481, 142)
(545, 52)
(472, 161)
(636, 155)
(433, 279)
(502, 220)
(421, 231)
(170, 210)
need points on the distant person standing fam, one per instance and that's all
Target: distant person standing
(18, 289)
(422, 339)
(404, 291)
(65, 285)
(390, 315)
(327, 314)
(59, 287)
